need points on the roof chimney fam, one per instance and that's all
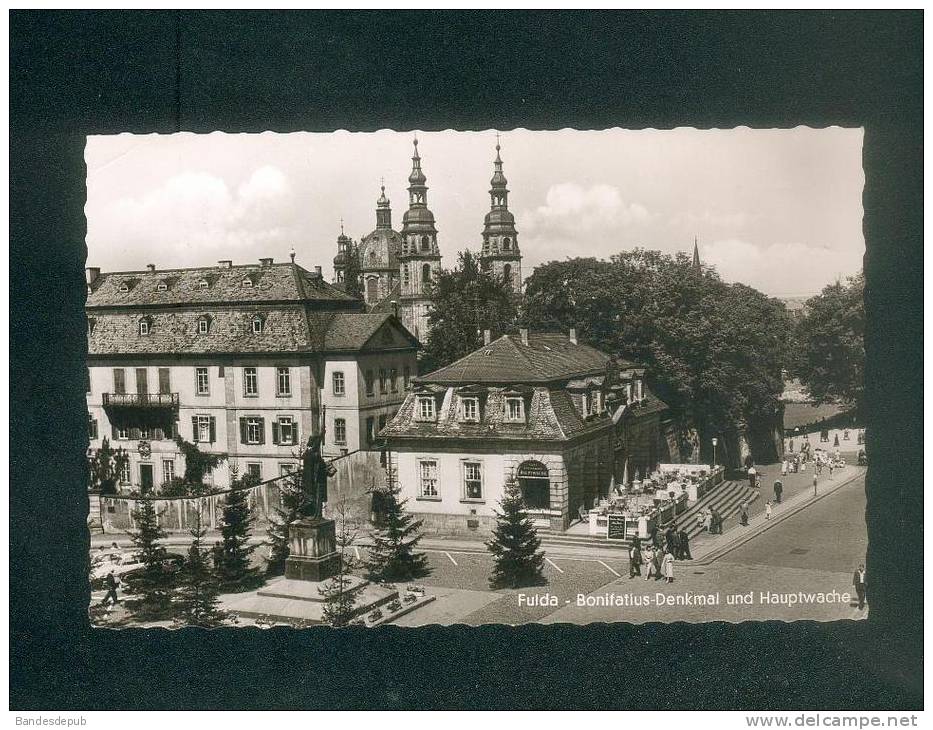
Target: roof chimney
(225, 263)
(487, 337)
(151, 267)
(91, 274)
(266, 263)
(395, 308)
(317, 270)
(292, 254)
(524, 336)
(573, 335)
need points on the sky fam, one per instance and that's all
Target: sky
(780, 210)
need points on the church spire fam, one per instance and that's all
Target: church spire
(500, 254)
(696, 254)
(383, 209)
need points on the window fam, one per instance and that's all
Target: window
(340, 431)
(369, 382)
(407, 376)
(250, 381)
(145, 432)
(393, 379)
(515, 409)
(595, 402)
(252, 430)
(119, 380)
(91, 426)
(248, 283)
(370, 430)
(125, 476)
(506, 243)
(339, 384)
(202, 383)
(426, 408)
(203, 429)
(472, 480)
(142, 381)
(426, 274)
(372, 290)
(507, 273)
(469, 409)
(144, 326)
(283, 381)
(284, 431)
(165, 380)
(258, 325)
(406, 278)
(124, 287)
(123, 433)
(168, 470)
(428, 485)
(87, 381)
(254, 470)
(383, 381)
(203, 326)
(425, 243)
(162, 286)
(286, 469)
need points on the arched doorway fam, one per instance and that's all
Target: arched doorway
(535, 483)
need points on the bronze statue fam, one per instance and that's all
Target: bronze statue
(314, 474)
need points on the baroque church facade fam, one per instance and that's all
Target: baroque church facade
(397, 269)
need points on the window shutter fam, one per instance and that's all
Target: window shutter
(275, 433)
(134, 434)
(158, 434)
(213, 429)
(194, 428)
(262, 430)
(242, 430)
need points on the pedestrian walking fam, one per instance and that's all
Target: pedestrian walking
(658, 560)
(778, 490)
(768, 508)
(830, 470)
(784, 466)
(752, 476)
(669, 567)
(858, 580)
(111, 582)
(685, 545)
(814, 485)
(743, 515)
(648, 558)
(634, 560)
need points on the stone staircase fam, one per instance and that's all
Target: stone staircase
(726, 499)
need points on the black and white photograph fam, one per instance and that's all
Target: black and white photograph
(476, 377)
(466, 359)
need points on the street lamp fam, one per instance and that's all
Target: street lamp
(715, 441)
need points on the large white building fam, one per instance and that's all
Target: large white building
(245, 360)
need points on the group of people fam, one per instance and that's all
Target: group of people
(711, 521)
(659, 553)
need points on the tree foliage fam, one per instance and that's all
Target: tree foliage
(393, 555)
(515, 545)
(340, 592)
(153, 584)
(351, 278)
(829, 348)
(104, 467)
(197, 464)
(196, 596)
(467, 301)
(714, 351)
(293, 502)
(233, 558)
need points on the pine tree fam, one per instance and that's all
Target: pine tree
(293, 502)
(232, 564)
(515, 544)
(152, 586)
(104, 467)
(392, 556)
(196, 602)
(339, 593)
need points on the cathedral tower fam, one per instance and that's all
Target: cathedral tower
(378, 255)
(420, 258)
(501, 255)
(345, 250)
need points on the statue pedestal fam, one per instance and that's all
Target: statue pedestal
(313, 555)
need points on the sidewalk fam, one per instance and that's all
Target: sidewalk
(713, 547)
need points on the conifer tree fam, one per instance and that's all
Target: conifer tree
(339, 592)
(393, 555)
(515, 544)
(232, 561)
(196, 602)
(293, 502)
(152, 586)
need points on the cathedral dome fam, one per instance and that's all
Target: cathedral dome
(500, 217)
(415, 216)
(379, 250)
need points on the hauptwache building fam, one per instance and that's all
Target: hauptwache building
(397, 268)
(561, 418)
(247, 360)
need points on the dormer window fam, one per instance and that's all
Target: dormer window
(515, 409)
(124, 287)
(162, 286)
(203, 284)
(145, 326)
(469, 409)
(247, 283)
(258, 324)
(425, 408)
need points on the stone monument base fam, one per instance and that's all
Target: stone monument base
(313, 555)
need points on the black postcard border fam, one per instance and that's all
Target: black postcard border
(78, 73)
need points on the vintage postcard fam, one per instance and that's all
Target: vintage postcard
(492, 377)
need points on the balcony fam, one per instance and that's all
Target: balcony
(140, 400)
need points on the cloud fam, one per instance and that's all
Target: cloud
(199, 210)
(780, 268)
(692, 221)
